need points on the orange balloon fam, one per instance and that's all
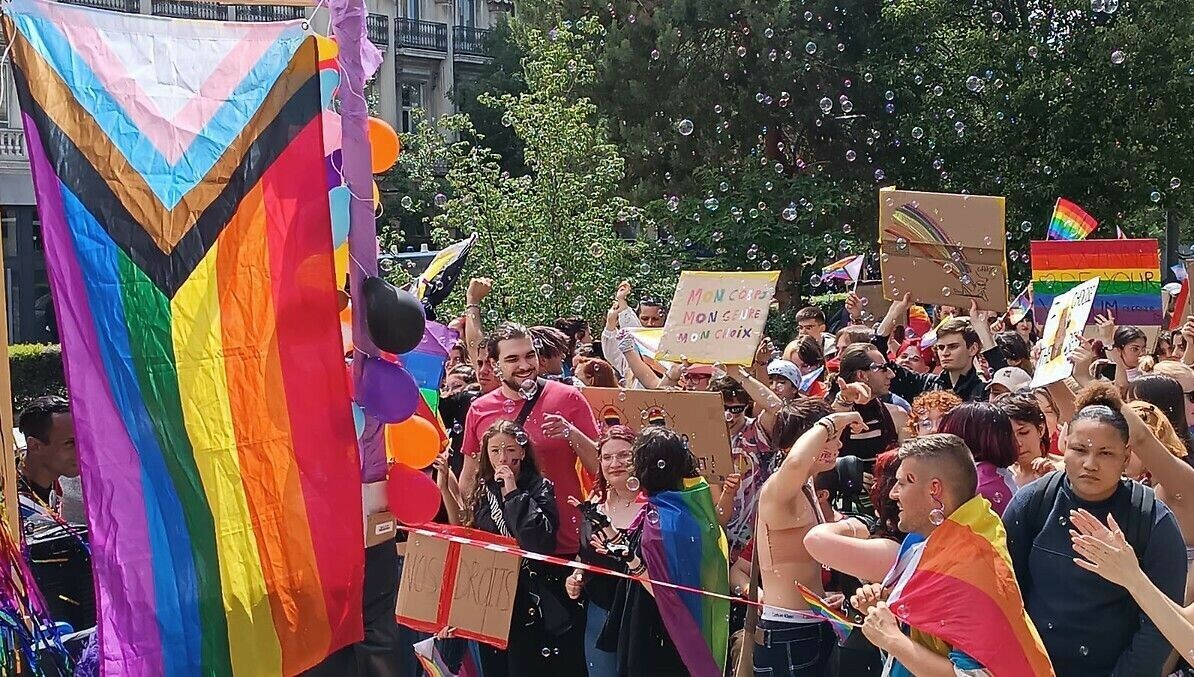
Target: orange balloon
(413, 442)
(384, 145)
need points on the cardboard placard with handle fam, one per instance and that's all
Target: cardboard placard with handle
(717, 317)
(698, 417)
(1067, 317)
(945, 249)
(466, 587)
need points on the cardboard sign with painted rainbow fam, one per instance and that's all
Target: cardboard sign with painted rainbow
(1129, 270)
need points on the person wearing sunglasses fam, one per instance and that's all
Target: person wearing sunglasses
(862, 363)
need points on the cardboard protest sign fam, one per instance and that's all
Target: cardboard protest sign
(943, 248)
(717, 317)
(874, 303)
(698, 417)
(470, 588)
(1129, 273)
(1067, 318)
(1181, 306)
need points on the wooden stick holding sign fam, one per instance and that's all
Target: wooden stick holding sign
(717, 317)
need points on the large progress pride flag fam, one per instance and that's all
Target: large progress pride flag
(178, 171)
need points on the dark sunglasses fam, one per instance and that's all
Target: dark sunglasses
(735, 408)
(879, 367)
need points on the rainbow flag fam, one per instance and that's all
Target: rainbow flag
(1021, 306)
(1129, 272)
(958, 587)
(430, 659)
(1070, 222)
(188, 245)
(847, 269)
(841, 626)
(682, 543)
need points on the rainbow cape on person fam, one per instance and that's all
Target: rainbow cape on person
(958, 587)
(185, 215)
(682, 543)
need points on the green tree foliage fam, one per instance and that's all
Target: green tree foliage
(501, 75)
(550, 238)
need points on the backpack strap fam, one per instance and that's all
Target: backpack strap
(1141, 519)
(1043, 501)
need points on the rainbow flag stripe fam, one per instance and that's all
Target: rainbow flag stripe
(686, 546)
(841, 626)
(1129, 272)
(962, 590)
(189, 251)
(1070, 222)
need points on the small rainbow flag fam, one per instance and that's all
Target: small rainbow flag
(847, 269)
(1021, 306)
(958, 587)
(841, 626)
(1070, 222)
(430, 659)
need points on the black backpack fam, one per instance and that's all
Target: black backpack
(1140, 521)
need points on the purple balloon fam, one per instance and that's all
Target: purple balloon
(387, 392)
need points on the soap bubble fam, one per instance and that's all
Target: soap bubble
(810, 47)
(1155, 196)
(632, 483)
(546, 290)
(596, 250)
(974, 83)
(406, 202)
(851, 156)
(1175, 183)
(826, 104)
(901, 243)
(685, 127)
(440, 199)
(997, 17)
(712, 204)
(918, 133)
(1118, 57)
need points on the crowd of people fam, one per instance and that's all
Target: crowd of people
(852, 446)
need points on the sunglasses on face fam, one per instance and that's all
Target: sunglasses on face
(878, 367)
(735, 408)
(1190, 395)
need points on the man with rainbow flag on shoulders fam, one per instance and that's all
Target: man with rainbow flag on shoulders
(953, 606)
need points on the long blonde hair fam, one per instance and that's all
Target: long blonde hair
(1157, 422)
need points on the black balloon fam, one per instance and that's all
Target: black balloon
(394, 316)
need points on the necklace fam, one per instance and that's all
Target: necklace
(53, 514)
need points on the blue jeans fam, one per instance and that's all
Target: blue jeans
(793, 649)
(601, 663)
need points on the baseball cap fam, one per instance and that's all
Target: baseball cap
(1014, 379)
(786, 369)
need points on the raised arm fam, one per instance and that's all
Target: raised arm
(1175, 478)
(478, 289)
(897, 310)
(769, 402)
(634, 362)
(1188, 332)
(794, 471)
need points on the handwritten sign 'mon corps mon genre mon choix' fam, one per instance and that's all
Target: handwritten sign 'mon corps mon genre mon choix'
(717, 317)
(466, 587)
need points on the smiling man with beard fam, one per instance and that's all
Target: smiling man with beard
(556, 416)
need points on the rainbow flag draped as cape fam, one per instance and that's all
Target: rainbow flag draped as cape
(959, 588)
(188, 245)
(686, 546)
(1070, 222)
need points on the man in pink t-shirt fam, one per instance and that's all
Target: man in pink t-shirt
(561, 425)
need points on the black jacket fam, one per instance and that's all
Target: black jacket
(530, 514)
(970, 388)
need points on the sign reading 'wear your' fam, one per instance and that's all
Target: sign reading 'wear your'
(717, 317)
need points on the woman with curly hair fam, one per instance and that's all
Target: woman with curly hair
(928, 409)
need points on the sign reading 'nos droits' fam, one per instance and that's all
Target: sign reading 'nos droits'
(717, 317)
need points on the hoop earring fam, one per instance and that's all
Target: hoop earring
(937, 515)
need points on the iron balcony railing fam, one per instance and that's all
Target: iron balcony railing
(212, 11)
(118, 5)
(377, 28)
(268, 13)
(415, 34)
(471, 41)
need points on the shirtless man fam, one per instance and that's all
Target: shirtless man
(788, 643)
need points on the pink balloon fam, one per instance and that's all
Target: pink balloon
(414, 498)
(333, 132)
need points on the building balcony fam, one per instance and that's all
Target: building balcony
(377, 28)
(12, 148)
(132, 6)
(427, 36)
(267, 12)
(470, 41)
(179, 9)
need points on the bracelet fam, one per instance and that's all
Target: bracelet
(840, 403)
(472, 306)
(829, 426)
(639, 570)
